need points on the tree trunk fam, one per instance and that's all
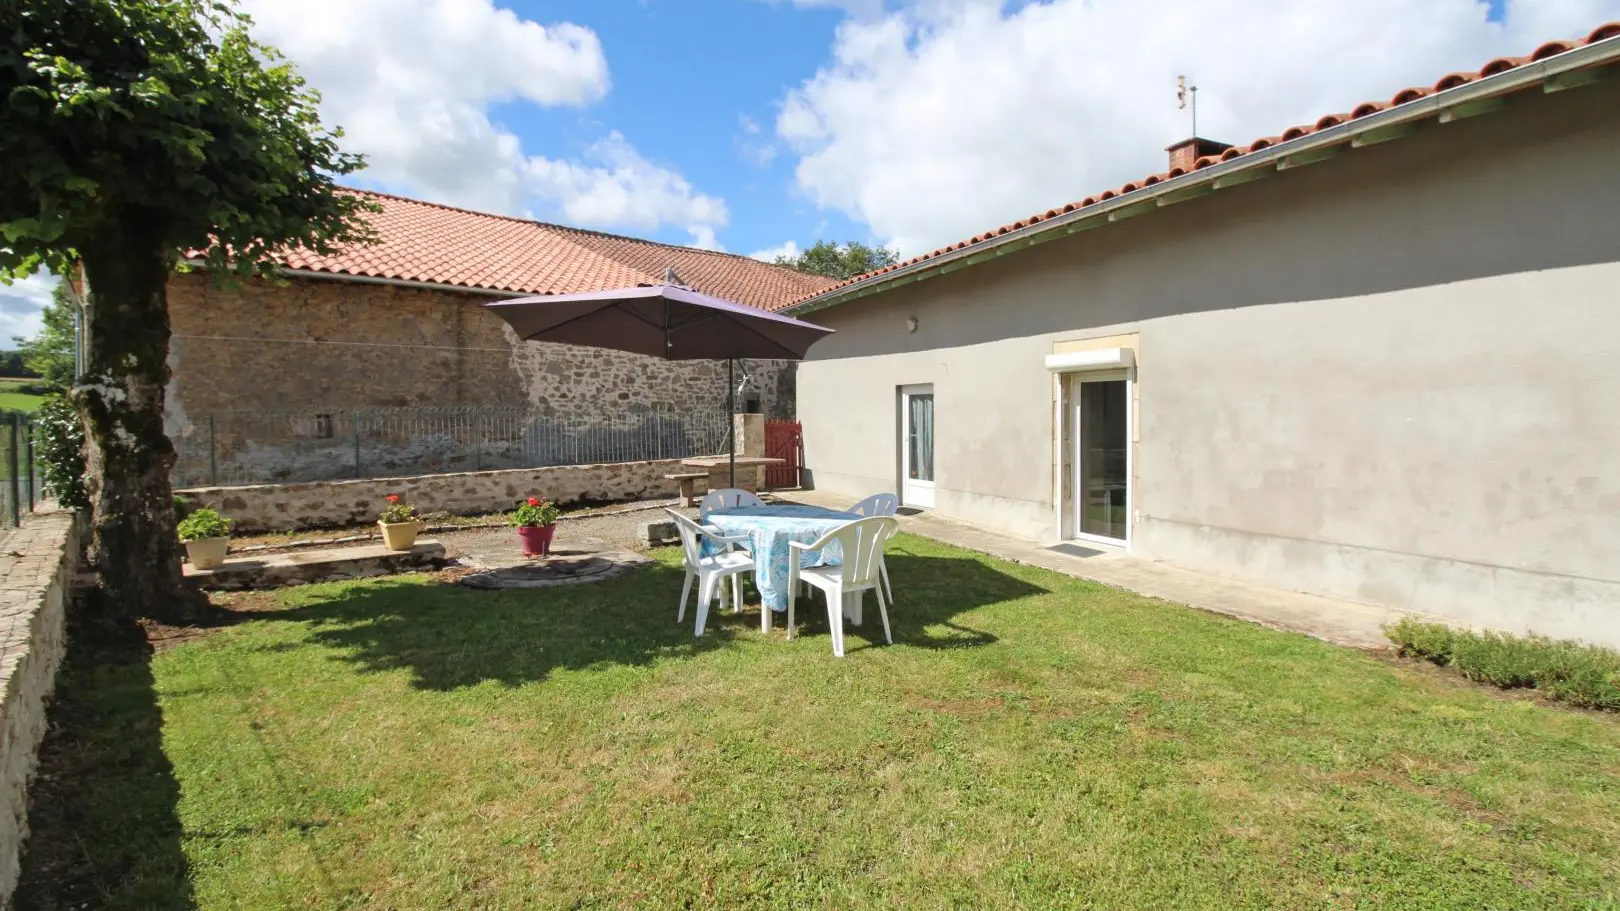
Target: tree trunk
(120, 399)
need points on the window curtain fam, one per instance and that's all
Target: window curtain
(922, 437)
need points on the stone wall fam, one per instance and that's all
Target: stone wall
(321, 346)
(37, 562)
(326, 504)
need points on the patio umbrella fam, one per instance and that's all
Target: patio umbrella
(668, 321)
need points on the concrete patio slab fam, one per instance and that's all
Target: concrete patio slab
(1341, 622)
(273, 570)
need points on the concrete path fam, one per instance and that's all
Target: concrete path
(1340, 622)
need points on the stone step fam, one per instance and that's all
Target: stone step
(354, 562)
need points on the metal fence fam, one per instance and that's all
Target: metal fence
(21, 487)
(271, 447)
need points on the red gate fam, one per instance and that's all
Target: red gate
(783, 440)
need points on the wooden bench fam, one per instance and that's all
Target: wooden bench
(688, 481)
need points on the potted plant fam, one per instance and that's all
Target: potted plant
(400, 524)
(207, 536)
(536, 522)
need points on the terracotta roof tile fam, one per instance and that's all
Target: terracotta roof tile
(428, 242)
(1405, 96)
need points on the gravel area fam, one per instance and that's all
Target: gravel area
(622, 527)
(619, 524)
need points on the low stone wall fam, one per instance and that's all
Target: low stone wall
(37, 562)
(326, 504)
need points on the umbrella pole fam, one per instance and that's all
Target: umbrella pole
(731, 415)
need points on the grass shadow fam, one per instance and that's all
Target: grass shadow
(103, 820)
(931, 594)
(449, 636)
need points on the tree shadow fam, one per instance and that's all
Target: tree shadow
(448, 636)
(103, 820)
(930, 594)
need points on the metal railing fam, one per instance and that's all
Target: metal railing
(231, 448)
(21, 487)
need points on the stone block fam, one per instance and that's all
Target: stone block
(658, 534)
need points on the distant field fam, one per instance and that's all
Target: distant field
(11, 399)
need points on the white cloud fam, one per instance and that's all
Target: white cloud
(703, 238)
(616, 187)
(948, 117)
(412, 83)
(858, 8)
(769, 254)
(20, 305)
(753, 149)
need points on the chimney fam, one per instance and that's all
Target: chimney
(1187, 151)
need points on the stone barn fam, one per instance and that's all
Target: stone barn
(381, 360)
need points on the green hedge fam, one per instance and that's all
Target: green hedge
(1584, 675)
(59, 450)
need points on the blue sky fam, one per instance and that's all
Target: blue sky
(685, 74)
(763, 125)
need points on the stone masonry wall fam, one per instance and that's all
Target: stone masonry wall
(312, 345)
(326, 504)
(37, 562)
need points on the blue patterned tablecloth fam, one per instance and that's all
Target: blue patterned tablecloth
(770, 529)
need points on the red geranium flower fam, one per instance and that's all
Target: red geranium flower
(393, 498)
(534, 501)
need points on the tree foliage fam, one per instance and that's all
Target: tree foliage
(49, 354)
(828, 258)
(165, 109)
(59, 450)
(12, 366)
(134, 133)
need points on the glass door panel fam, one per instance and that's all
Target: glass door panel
(917, 446)
(1104, 441)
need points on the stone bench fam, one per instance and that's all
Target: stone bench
(688, 481)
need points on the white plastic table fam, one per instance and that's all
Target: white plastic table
(770, 529)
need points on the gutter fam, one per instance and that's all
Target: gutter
(1478, 97)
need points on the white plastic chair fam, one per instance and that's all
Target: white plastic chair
(710, 571)
(862, 543)
(727, 498)
(879, 504)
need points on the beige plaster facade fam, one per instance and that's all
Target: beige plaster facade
(1390, 377)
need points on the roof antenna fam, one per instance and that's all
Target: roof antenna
(670, 278)
(1187, 96)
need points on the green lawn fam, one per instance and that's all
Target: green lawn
(1030, 741)
(11, 399)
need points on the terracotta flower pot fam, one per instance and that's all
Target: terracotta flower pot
(400, 535)
(536, 539)
(207, 553)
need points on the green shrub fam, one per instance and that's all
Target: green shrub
(1573, 672)
(59, 451)
(181, 508)
(204, 523)
(1424, 640)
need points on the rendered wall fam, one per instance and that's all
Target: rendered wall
(1389, 377)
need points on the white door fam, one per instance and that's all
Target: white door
(917, 446)
(1102, 434)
